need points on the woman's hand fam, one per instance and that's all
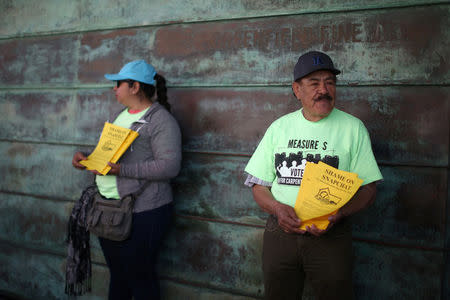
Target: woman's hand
(115, 169)
(77, 157)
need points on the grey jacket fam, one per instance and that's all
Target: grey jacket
(152, 159)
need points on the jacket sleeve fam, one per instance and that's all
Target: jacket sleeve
(165, 139)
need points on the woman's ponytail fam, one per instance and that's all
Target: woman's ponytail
(161, 91)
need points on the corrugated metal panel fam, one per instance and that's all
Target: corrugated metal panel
(24, 18)
(232, 120)
(379, 47)
(230, 78)
(411, 201)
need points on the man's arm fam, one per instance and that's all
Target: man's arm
(287, 218)
(363, 198)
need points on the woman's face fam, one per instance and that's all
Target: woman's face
(123, 92)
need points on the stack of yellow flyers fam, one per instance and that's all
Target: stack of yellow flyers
(113, 142)
(323, 191)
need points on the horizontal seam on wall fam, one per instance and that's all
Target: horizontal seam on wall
(341, 84)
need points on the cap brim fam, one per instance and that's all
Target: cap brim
(115, 77)
(334, 71)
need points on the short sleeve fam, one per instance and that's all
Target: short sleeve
(261, 164)
(251, 180)
(362, 160)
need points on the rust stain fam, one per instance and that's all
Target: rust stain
(95, 40)
(107, 53)
(303, 32)
(28, 61)
(20, 150)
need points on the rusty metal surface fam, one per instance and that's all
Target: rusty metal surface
(212, 186)
(71, 117)
(35, 169)
(39, 224)
(23, 113)
(405, 123)
(372, 271)
(411, 201)
(35, 61)
(221, 255)
(43, 275)
(408, 125)
(24, 219)
(409, 209)
(53, 97)
(228, 119)
(24, 18)
(107, 51)
(395, 273)
(378, 47)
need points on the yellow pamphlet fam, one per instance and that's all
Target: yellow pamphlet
(113, 143)
(323, 191)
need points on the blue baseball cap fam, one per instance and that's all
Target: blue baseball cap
(313, 61)
(137, 70)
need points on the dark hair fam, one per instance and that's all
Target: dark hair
(161, 90)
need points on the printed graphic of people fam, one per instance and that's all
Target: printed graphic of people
(294, 171)
(283, 170)
(303, 165)
(297, 171)
(302, 168)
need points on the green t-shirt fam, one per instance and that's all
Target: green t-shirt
(107, 184)
(339, 140)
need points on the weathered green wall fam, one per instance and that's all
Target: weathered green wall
(229, 66)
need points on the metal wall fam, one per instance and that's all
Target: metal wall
(229, 67)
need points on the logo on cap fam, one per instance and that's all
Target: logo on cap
(317, 60)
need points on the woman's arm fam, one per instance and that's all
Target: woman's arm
(165, 143)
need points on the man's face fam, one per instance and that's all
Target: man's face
(317, 92)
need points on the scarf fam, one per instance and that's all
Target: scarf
(78, 267)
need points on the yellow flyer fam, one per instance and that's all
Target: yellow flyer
(113, 142)
(323, 191)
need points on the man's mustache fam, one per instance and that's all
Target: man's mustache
(324, 97)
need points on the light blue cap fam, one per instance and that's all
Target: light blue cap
(137, 70)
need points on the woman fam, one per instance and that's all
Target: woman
(145, 169)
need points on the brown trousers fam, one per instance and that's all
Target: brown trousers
(290, 259)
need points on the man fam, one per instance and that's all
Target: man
(317, 132)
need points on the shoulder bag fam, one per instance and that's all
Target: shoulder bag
(110, 219)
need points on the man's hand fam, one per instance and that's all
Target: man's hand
(333, 220)
(287, 218)
(77, 157)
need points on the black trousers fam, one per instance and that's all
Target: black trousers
(132, 262)
(289, 259)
